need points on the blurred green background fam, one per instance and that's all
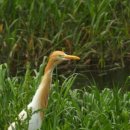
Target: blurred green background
(98, 31)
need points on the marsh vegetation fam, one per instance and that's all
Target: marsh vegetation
(97, 31)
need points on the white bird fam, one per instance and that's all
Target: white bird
(40, 99)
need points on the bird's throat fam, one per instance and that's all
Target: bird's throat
(41, 96)
(45, 87)
(49, 68)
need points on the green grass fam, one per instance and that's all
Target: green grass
(92, 29)
(68, 109)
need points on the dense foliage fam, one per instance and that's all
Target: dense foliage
(68, 109)
(96, 30)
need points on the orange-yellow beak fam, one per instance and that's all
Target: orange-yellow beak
(71, 57)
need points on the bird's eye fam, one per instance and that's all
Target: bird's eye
(60, 56)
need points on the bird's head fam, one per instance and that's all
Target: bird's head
(58, 56)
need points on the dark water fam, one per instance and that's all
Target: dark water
(118, 77)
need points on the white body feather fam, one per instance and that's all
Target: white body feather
(35, 122)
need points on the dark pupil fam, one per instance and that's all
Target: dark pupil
(60, 56)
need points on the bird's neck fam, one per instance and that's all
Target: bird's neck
(41, 95)
(49, 68)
